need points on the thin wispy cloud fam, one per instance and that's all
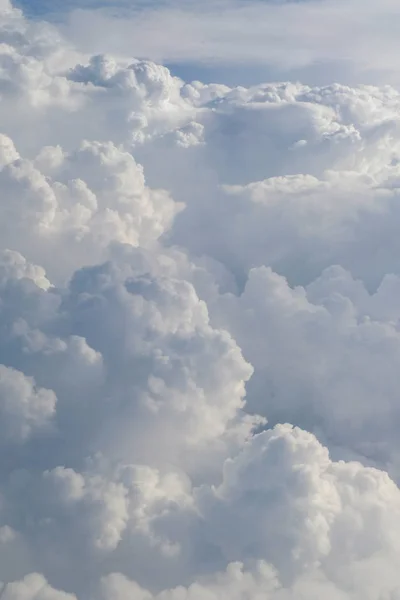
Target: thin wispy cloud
(358, 38)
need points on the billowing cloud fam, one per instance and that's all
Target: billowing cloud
(323, 525)
(327, 354)
(22, 407)
(32, 586)
(199, 341)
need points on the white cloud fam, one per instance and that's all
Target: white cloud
(83, 201)
(23, 408)
(177, 259)
(305, 526)
(357, 40)
(325, 356)
(309, 176)
(33, 586)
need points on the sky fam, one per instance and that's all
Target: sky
(199, 300)
(241, 42)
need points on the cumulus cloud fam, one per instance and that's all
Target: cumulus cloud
(32, 586)
(22, 407)
(305, 526)
(199, 341)
(48, 204)
(338, 346)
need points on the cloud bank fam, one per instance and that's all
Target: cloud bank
(199, 331)
(356, 40)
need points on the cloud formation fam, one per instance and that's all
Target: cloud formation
(199, 341)
(355, 40)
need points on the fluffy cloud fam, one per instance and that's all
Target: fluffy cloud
(153, 355)
(22, 407)
(326, 355)
(31, 587)
(328, 528)
(82, 201)
(183, 268)
(112, 458)
(309, 177)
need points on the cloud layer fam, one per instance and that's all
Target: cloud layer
(199, 339)
(355, 40)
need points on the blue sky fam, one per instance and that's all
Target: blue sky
(54, 7)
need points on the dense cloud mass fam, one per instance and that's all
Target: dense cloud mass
(199, 332)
